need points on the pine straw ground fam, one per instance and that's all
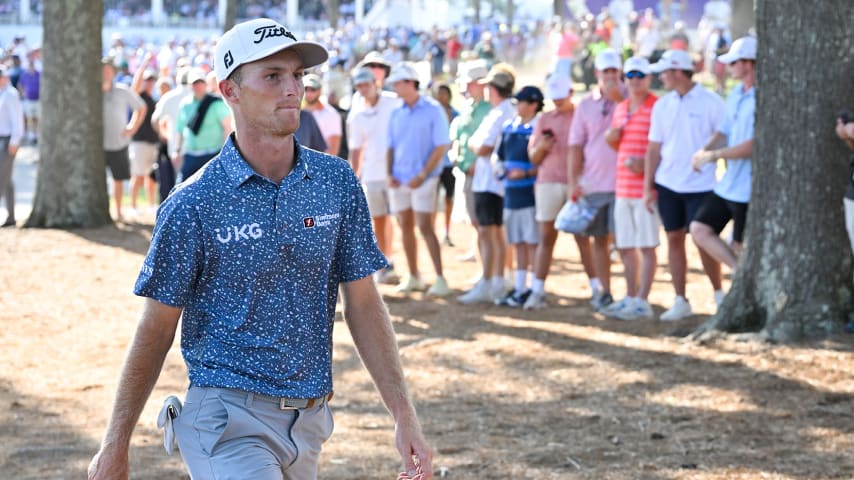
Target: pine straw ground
(555, 394)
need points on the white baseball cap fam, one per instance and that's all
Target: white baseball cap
(312, 80)
(473, 71)
(195, 75)
(558, 87)
(256, 39)
(673, 60)
(403, 71)
(608, 58)
(637, 64)
(742, 49)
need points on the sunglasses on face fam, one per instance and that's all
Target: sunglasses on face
(635, 74)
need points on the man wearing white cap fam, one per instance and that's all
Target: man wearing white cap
(636, 229)
(593, 172)
(682, 121)
(548, 150)
(417, 140)
(368, 141)
(732, 142)
(250, 254)
(327, 117)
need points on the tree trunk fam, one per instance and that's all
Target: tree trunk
(743, 17)
(333, 13)
(794, 279)
(476, 4)
(558, 8)
(230, 15)
(71, 189)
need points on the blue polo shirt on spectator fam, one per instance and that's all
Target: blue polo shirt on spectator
(737, 125)
(256, 268)
(414, 132)
(513, 153)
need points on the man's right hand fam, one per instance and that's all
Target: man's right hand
(650, 198)
(109, 464)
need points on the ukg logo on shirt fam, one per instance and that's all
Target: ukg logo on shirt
(239, 233)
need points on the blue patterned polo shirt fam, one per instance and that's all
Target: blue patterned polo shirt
(256, 268)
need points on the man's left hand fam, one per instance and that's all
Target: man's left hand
(701, 158)
(416, 454)
(415, 183)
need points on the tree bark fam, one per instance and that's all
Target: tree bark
(71, 189)
(558, 8)
(743, 17)
(794, 279)
(476, 4)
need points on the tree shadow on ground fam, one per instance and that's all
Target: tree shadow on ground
(133, 237)
(64, 452)
(652, 427)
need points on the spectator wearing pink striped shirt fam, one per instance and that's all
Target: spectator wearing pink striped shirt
(593, 172)
(635, 227)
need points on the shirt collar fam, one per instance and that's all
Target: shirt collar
(239, 171)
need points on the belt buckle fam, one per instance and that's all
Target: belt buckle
(283, 404)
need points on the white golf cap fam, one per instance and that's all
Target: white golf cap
(558, 87)
(195, 75)
(403, 71)
(742, 49)
(312, 80)
(473, 71)
(637, 64)
(608, 58)
(256, 39)
(673, 60)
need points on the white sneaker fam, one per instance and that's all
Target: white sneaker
(498, 292)
(637, 310)
(410, 284)
(680, 309)
(480, 293)
(614, 309)
(439, 288)
(535, 301)
(387, 276)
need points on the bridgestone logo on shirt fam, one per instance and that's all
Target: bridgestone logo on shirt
(244, 232)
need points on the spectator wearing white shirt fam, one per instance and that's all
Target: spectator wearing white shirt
(11, 131)
(368, 141)
(682, 122)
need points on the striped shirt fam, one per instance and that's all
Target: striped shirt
(633, 143)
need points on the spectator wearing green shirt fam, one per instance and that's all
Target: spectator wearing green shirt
(203, 124)
(465, 125)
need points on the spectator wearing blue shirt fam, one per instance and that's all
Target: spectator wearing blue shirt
(729, 200)
(519, 174)
(250, 254)
(418, 139)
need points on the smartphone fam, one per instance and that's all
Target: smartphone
(846, 116)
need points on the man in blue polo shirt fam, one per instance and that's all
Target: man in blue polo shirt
(418, 138)
(732, 142)
(252, 251)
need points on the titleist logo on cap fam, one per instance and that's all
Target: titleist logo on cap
(270, 31)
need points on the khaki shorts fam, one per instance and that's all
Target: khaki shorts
(143, 156)
(420, 200)
(549, 198)
(377, 195)
(230, 434)
(634, 225)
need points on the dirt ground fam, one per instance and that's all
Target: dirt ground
(503, 394)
